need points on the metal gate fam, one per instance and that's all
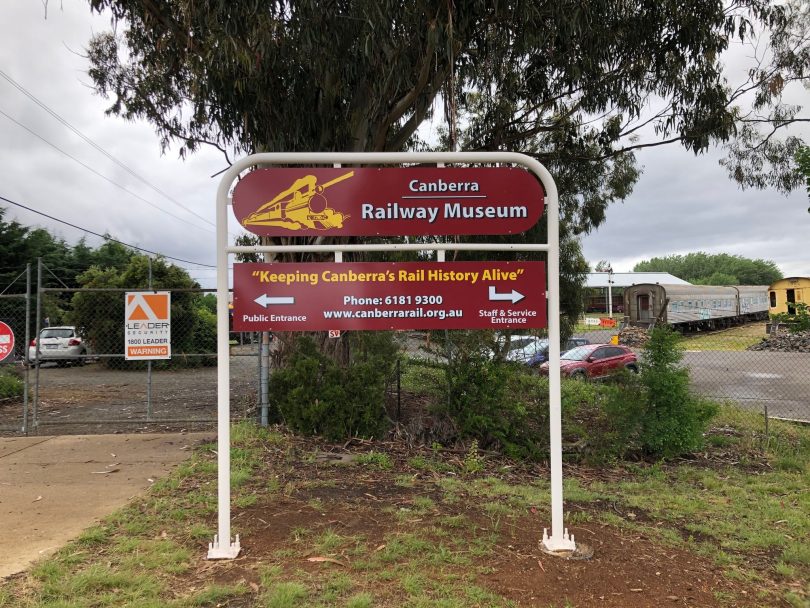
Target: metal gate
(89, 387)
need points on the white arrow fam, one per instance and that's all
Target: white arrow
(264, 300)
(515, 296)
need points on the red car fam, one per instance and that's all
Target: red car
(595, 361)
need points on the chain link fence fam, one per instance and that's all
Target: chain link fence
(762, 371)
(69, 358)
(93, 389)
(14, 315)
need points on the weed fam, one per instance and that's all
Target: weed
(473, 461)
(797, 554)
(328, 541)
(422, 463)
(240, 475)
(316, 504)
(376, 460)
(285, 595)
(423, 504)
(217, 595)
(199, 531)
(96, 535)
(405, 481)
(361, 600)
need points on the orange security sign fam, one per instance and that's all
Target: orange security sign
(147, 330)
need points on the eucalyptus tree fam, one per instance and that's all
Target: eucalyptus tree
(579, 84)
(766, 149)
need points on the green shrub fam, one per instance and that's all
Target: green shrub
(797, 322)
(315, 395)
(11, 385)
(672, 421)
(499, 404)
(651, 414)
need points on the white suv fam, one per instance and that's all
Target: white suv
(60, 344)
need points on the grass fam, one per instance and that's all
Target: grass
(434, 542)
(732, 339)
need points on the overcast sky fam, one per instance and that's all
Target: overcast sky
(681, 203)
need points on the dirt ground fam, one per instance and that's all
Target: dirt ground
(627, 569)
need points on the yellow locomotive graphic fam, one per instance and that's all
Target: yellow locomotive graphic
(302, 205)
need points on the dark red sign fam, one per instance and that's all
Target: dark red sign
(389, 295)
(6, 341)
(370, 201)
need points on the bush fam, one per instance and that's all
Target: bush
(504, 406)
(11, 385)
(499, 404)
(99, 314)
(315, 395)
(672, 420)
(797, 322)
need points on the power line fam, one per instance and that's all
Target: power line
(84, 137)
(106, 238)
(102, 176)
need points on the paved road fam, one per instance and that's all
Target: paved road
(754, 379)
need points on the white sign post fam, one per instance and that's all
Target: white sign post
(223, 547)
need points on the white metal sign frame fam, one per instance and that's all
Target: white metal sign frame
(223, 547)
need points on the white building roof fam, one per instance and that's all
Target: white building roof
(626, 279)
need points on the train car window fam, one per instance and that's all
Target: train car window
(773, 299)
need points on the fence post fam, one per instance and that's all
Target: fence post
(264, 371)
(25, 346)
(767, 430)
(36, 349)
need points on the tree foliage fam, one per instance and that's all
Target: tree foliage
(99, 314)
(714, 269)
(803, 161)
(62, 264)
(763, 151)
(568, 82)
(21, 245)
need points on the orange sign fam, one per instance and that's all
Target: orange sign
(607, 322)
(147, 329)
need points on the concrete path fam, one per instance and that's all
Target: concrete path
(52, 488)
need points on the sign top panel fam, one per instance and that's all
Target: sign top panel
(305, 201)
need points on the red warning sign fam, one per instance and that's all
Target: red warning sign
(6, 341)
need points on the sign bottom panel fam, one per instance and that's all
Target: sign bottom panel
(389, 295)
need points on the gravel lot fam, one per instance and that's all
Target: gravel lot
(93, 399)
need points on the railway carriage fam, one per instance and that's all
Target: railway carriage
(784, 294)
(692, 307)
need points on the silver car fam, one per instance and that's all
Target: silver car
(60, 344)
